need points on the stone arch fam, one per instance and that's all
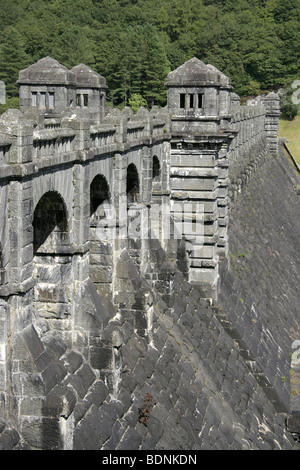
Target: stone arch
(101, 241)
(50, 224)
(132, 184)
(52, 261)
(99, 194)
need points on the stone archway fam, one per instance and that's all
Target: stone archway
(101, 240)
(156, 170)
(132, 184)
(52, 262)
(50, 224)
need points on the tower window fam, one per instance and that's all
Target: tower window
(33, 99)
(51, 100)
(78, 100)
(43, 100)
(200, 100)
(191, 97)
(182, 100)
(85, 100)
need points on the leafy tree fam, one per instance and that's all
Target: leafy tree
(12, 59)
(73, 46)
(289, 111)
(136, 101)
(132, 42)
(11, 103)
(155, 68)
(288, 108)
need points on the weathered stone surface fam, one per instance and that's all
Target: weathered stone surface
(92, 327)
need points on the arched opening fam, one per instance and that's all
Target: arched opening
(156, 168)
(101, 241)
(52, 262)
(156, 171)
(132, 184)
(99, 194)
(50, 224)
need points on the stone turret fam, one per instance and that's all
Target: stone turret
(271, 102)
(199, 104)
(47, 86)
(90, 92)
(198, 96)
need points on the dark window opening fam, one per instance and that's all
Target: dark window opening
(191, 101)
(156, 168)
(85, 100)
(78, 100)
(99, 193)
(200, 100)
(132, 184)
(182, 100)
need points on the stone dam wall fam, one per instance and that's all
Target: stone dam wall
(147, 341)
(219, 375)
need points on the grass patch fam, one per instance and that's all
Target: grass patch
(291, 130)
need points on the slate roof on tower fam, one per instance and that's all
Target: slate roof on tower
(88, 78)
(194, 72)
(47, 71)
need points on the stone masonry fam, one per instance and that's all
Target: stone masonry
(129, 266)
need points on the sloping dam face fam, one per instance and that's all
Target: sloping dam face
(207, 376)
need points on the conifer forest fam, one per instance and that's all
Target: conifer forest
(134, 44)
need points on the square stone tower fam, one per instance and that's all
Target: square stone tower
(199, 104)
(47, 87)
(90, 92)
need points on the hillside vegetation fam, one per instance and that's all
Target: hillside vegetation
(135, 43)
(291, 131)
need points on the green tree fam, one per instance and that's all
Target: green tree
(288, 108)
(155, 68)
(12, 59)
(11, 103)
(136, 101)
(73, 45)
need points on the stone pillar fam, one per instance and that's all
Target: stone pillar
(194, 205)
(79, 122)
(271, 102)
(20, 133)
(199, 103)
(223, 200)
(19, 213)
